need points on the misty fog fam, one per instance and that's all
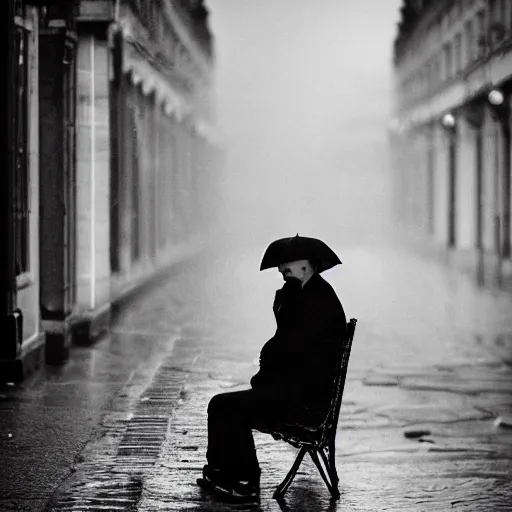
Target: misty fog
(303, 95)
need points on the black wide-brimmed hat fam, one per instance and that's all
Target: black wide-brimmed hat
(298, 247)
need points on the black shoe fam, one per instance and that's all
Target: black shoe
(229, 490)
(229, 495)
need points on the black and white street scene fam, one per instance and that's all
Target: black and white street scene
(256, 256)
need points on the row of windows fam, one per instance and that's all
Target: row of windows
(479, 35)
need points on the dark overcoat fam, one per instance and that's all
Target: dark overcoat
(298, 364)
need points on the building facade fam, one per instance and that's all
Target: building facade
(112, 162)
(450, 135)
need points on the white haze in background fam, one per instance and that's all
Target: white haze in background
(303, 98)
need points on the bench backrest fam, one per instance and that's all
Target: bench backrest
(330, 424)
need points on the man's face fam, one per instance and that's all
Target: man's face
(298, 269)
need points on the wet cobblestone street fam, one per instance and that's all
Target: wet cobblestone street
(425, 423)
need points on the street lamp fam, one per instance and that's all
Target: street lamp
(496, 97)
(448, 120)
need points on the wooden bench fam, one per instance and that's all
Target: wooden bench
(319, 442)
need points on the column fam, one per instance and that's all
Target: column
(500, 109)
(422, 180)
(465, 185)
(441, 184)
(449, 123)
(489, 152)
(179, 191)
(152, 176)
(11, 321)
(452, 188)
(172, 180)
(129, 162)
(474, 117)
(117, 86)
(144, 188)
(410, 175)
(134, 131)
(93, 180)
(431, 178)
(28, 294)
(506, 183)
(159, 145)
(55, 308)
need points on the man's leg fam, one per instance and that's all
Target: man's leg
(230, 442)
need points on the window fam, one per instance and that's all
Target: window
(435, 71)
(153, 20)
(448, 61)
(458, 53)
(404, 92)
(502, 11)
(134, 5)
(439, 25)
(21, 151)
(424, 79)
(502, 19)
(136, 132)
(481, 39)
(456, 10)
(445, 22)
(452, 15)
(469, 42)
(495, 17)
(428, 76)
(498, 21)
(495, 7)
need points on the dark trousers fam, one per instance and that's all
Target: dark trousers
(231, 418)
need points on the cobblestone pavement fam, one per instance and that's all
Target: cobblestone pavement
(430, 354)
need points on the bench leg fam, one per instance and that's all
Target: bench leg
(318, 464)
(330, 466)
(332, 461)
(283, 486)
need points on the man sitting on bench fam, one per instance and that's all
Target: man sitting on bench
(293, 386)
